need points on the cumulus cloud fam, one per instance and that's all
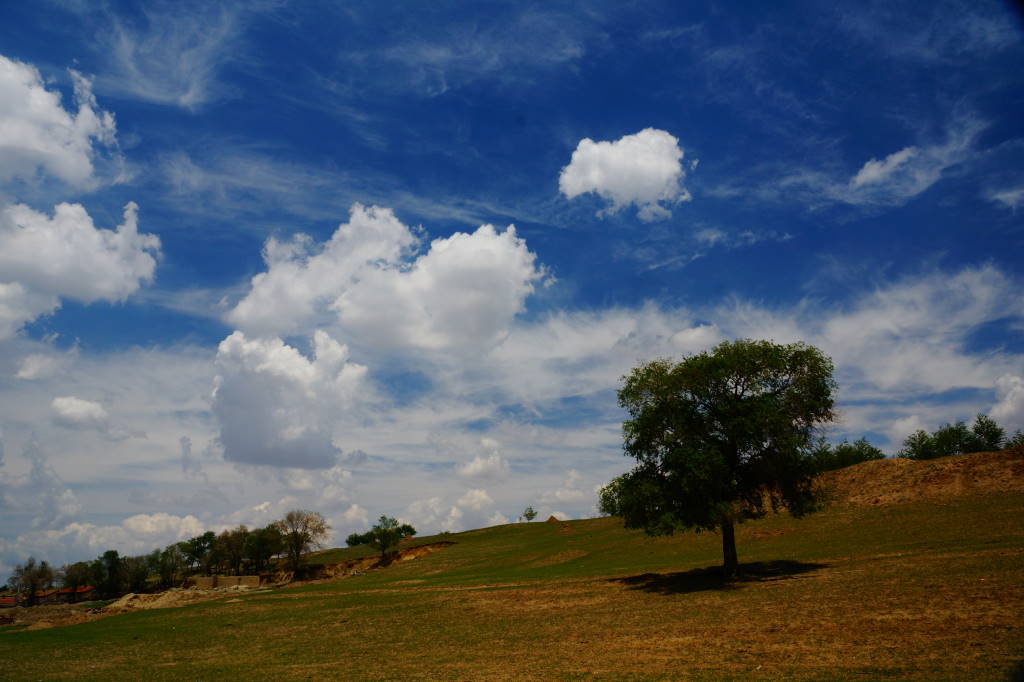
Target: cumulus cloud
(497, 519)
(486, 467)
(643, 169)
(276, 407)
(475, 499)
(302, 277)
(76, 540)
(44, 259)
(78, 413)
(462, 293)
(37, 135)
(355, 515)
(1009, 410)
(433, 513)
(569, 491)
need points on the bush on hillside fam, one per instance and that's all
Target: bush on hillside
(828, 457)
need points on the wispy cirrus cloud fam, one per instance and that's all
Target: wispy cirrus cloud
(172, 53)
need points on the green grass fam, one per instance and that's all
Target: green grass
(922, 590)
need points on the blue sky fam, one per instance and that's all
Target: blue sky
(367, 260)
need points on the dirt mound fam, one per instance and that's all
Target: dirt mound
(48, 615)
(552, 519)
(171, 598)
(889, 481)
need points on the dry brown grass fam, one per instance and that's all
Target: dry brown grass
(893, 481)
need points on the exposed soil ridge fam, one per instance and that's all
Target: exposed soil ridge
(896, 480)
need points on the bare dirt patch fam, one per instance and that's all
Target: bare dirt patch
(50, 615)
(558, 558)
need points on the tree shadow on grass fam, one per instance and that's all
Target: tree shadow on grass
(703, 579)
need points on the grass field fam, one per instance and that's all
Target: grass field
(923, 590)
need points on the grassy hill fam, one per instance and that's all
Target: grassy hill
(876, 586)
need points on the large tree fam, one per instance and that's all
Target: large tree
(720, 437)
(301, 531)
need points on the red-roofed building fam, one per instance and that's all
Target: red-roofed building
(76, 594)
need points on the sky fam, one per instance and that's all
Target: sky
(393, 258)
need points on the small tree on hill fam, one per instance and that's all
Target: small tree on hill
(918, 445)
(719, 436)
(301, 531)
(529, 513)
(987, 435)
(383, 537)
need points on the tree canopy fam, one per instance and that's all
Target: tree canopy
(301, 531)
(984, 435)
(383, 537)
(721, 436)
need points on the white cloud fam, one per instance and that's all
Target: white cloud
(643, 169)
(78, 413)
(76, 541)
(875, 171)
(463, 293)
(302, 277)
(569, 492)
(512, 45)
(276, 407)
(891, 181)
(355, 515)
(476, 499)
(38, 135)
(497, 519)
(37, 366)
(489, 467)
(1009, 410)
(1011, 198)
(903, 427)
(44, 259)
(171, 56)
(39, 493)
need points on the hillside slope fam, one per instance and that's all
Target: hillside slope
(927, 588)
(895, 480)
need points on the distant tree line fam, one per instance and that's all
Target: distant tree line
(236, 551)
(984, 435)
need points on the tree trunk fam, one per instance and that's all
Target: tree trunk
(730, 564)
